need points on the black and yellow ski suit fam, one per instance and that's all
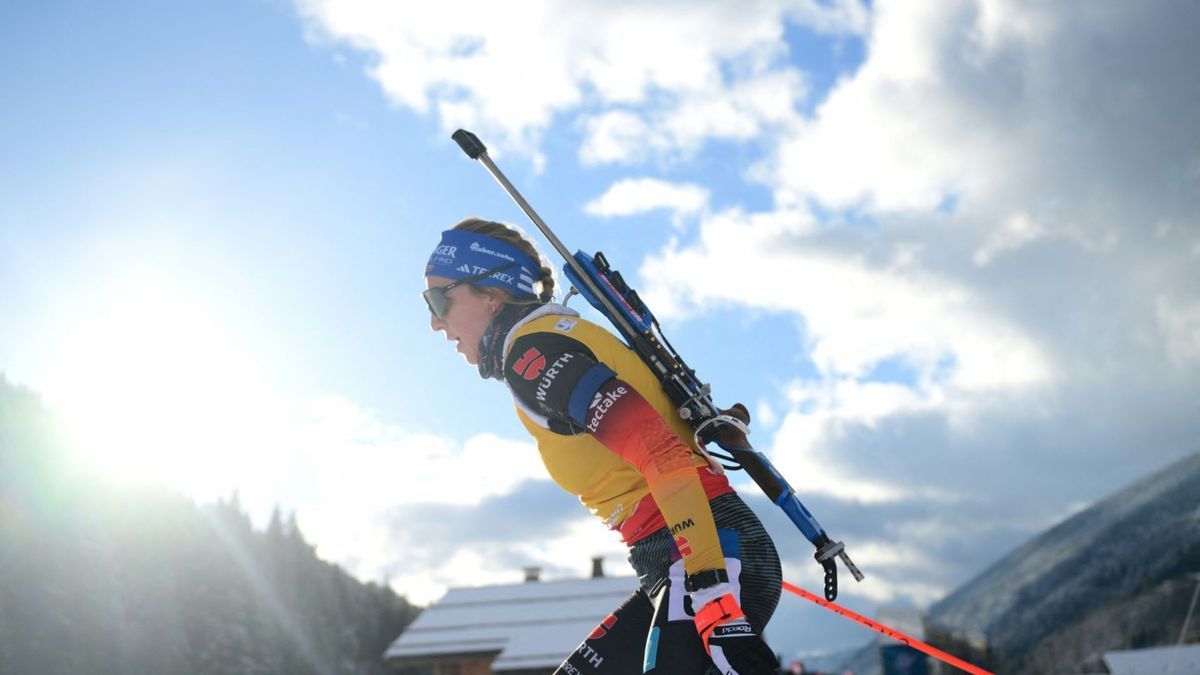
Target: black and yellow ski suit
(608, 433)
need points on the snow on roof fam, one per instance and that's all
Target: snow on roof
(531, 625)
(1156, 661)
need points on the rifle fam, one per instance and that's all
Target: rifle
(605, 289)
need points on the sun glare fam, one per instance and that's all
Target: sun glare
(153, 390)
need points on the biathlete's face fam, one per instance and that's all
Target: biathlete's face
(466, 318)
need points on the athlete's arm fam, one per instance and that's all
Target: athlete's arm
(561, 378)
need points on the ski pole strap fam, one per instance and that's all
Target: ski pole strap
(890, 632)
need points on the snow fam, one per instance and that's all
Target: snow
(530, 625)
(1156, 661)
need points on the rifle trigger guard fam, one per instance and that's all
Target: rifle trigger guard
(719, 419)
(714, 458)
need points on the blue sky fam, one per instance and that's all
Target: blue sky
(946, 254)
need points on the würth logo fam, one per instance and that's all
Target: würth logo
(531, 364)
(605, 626)
(684, 547)
(680, 527)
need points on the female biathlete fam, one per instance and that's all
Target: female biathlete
(708, 571)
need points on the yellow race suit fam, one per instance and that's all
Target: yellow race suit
(607, 433)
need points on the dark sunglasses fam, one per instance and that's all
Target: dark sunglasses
(439, 302)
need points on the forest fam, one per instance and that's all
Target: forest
(103, 578)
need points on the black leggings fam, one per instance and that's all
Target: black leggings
(653, 630)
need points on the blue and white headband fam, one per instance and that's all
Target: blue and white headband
(461, 254)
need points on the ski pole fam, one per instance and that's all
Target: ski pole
(890, 632)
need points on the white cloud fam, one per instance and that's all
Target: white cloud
(423, 578)
(617, 135)
(765, 415)
(719, 66)
(354, 448)
(1009, 179)
(752, 105)
(1017, 231)
(1179, 324)
(630, 196)
(805, 448)
(921, 119)
(1003, 108)
(856, 314)
(342, 470)
(840, 17)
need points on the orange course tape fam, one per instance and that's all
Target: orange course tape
(890, 632)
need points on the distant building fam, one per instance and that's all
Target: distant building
(514, 629)
(1157, 661)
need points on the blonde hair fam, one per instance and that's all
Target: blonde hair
(514, 237)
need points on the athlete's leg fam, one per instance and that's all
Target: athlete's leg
(754, 573)
(758, 582)
(617, 645)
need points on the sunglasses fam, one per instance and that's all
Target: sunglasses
(439, 302)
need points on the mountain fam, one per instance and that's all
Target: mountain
(1114, 576)
(99, 578)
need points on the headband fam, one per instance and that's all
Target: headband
(461, 254)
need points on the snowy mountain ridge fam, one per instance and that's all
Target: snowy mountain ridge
(1108, 554)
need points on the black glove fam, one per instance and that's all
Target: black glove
(730, 640)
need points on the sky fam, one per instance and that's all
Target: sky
(947, 254)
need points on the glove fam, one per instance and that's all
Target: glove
(728, 638)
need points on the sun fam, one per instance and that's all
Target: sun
(153, 389)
